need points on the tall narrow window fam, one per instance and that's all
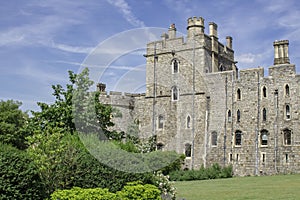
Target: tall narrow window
(238, 94)
(238, 116)
(238, 138)
(214, 138)
(160, 122)
(174, 93)
(264, 117)
(264, 137)
(188, 122)
(287, 90)
(188, 150)
(287, 137)
(287, 112)
(175, 66)
(264, 91)
(229, 116)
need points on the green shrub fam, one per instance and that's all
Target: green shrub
(77, 193)
(135, 190)
(213, 172)
(19, 178)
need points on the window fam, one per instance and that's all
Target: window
(264, 117)
(160, 146)
(160, 122)
(174, 93)
(287, 90)
(264, 91)
(286, 158)
(237, 157)
(175, 66)
(264, 137)
(238, 116)
(287, 112)
(263, 158)
(230, 157)
(188, 150)
(238, 94)
(229, 116)
(238, 138)
(287, 137)
(188, 122)
(214, 138)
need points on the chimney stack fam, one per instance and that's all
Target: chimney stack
(281, 52)
(229, 42)
(172, 31)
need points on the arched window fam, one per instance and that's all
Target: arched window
(160, 146)
(188, 122)
(264, 91)
(287, 112)
(238, 138)
(188, 150)
(214, 138)
(238, 94)
(287, 137)
(175, 93)
(160, 121)
(238, 116)
(264, 117)
(229, 116)
(264, 137)
(175, 66)
(287, 90)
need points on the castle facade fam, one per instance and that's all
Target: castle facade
(198, 103)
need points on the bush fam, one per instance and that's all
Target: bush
(77, 193)
(213, 172)
(19, 178)
(133, 190)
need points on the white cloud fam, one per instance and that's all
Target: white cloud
(72, 49)
(127, 13)
(247, 58)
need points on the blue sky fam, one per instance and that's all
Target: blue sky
(41, 40)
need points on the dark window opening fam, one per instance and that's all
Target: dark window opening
(238, 138)
(263, 157)
(287, 112)
(264, 114)
(188, 122)
(175, 66)
(175, 94)
(159, 146)
(238, 115)
(264, 91)
(238, 93)
(264, 137)
(287, 137)
(188, 150)
(229, 116)
(287, 90)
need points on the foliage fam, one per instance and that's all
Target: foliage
(19, 178)
(133, 190)
(136, 190)
(77, 193)
(12, 122)
(166, 187)
(213, 172)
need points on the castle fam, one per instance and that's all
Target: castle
(198, 103)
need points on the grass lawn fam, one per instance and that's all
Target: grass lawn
(263, 187)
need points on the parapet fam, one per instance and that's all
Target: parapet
(195, 26)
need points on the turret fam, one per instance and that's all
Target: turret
(195, 26)
(281, 52)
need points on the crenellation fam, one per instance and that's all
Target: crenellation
(199, 97)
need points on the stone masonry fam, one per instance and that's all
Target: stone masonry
(199, 104)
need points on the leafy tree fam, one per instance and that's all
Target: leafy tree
(12, 122)
(19, 178)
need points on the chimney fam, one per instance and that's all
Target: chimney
(195, 26)
(172, 31)
(229, 42)
(213, 29)
(281, 52)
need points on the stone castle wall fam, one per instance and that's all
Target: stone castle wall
(203, 107)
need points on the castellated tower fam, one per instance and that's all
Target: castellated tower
(197, 103)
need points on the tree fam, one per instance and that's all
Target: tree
(19, 178)
(12, 122)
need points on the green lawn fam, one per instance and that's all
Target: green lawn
(264, 187)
